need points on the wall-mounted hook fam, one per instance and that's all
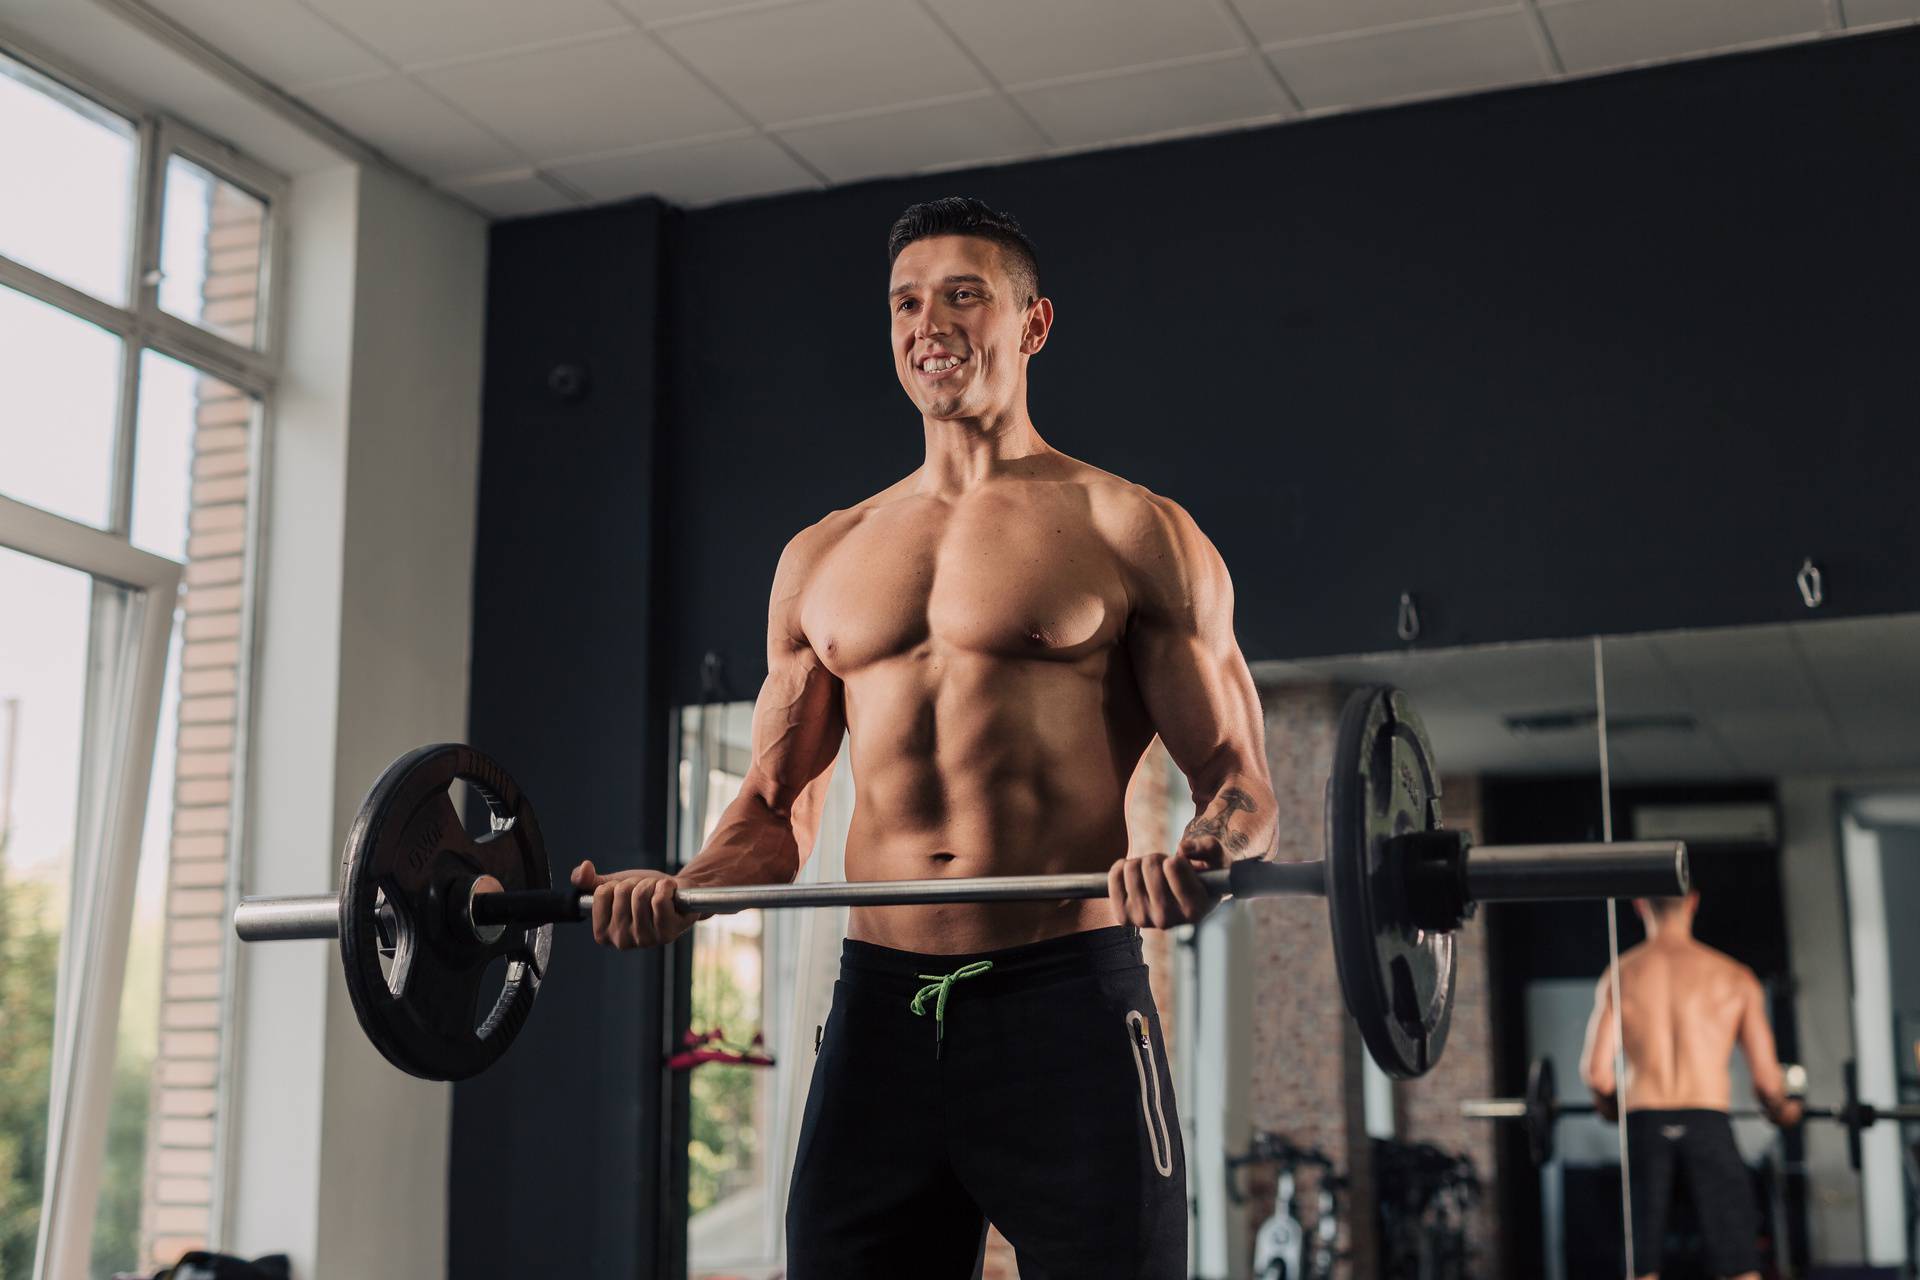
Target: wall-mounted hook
(1408, 624)
(713, 682)
(1812, 585)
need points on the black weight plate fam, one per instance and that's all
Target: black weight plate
(409, 847)
(1396, 977)
(1543, 1105)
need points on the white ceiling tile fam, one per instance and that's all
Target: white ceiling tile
(417, 129)
(826, 57)
(604, 95)
(731, 169)
(1191, 95)
(1867, 13)
(1273, 21)
(411, 32)
(514, 194)
(1447, 57)
(126, 60)
(977, 129)
(681, 10)
(281, 41)
(1021, 41)
(1592, 34)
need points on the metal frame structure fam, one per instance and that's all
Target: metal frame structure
(133, 613)
(120, 734)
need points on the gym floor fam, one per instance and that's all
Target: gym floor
(459, 370)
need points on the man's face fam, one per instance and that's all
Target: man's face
(961, 328)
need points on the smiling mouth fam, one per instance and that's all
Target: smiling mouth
(934, 366)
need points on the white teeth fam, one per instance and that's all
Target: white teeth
(938, 364)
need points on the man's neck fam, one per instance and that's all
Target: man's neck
(1671, 932)
(965, 452)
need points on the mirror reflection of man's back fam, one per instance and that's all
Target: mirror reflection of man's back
(1683, 1008)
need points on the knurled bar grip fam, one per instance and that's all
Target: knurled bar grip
(1494, 873)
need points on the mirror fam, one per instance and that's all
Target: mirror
(1515, 730)
(1789, 758)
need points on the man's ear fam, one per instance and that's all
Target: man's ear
(1039, 325)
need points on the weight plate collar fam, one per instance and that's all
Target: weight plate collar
(409, 847)
(1397, 977)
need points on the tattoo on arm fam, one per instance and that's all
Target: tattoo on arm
(1219, 814)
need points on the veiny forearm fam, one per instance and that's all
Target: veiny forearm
(753, 843)
(1239, 811)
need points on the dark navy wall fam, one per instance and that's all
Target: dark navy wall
(1593, 357)
(556, 1150)
(1602, 356)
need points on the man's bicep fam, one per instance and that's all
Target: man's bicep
(800, 714)
(1201, 700)
(1596, 1065)
(1192, 677)
(798, 721)
(1756, 1036)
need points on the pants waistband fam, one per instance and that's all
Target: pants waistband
(1674, 1115)
(1116, 947)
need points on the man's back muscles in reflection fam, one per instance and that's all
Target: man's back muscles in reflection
(1683, 1009)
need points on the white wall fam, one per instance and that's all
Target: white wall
(1817, 932)
(335, 1157)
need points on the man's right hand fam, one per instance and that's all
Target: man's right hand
(1787, 1112)
(633, 908)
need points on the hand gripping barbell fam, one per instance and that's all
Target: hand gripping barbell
(438, 905)
(1540, 1110)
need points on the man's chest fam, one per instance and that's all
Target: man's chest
(992, 579)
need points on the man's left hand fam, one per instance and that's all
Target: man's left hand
(1159, 890)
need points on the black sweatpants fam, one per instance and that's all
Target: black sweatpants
(1697, 1145)
(1038, 1100)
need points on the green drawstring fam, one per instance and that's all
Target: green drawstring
(939, 985)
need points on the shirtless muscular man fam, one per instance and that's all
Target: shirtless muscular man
(1002, 632)
(1683, 1008)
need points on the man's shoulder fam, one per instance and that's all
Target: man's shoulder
(820, 537)
(1141, 524)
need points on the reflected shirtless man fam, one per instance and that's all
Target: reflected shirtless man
(1683, 1008)
(1002, 632)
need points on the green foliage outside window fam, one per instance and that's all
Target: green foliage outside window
(29, 972)
(723, 1151)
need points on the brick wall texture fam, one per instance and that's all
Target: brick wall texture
(184, 1108)
(1428, 1109)
(1305, 1048)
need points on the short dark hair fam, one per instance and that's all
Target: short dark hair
(1665, 906)
(965, 216)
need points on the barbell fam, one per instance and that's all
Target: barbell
(425, 907)
(1540, 1110)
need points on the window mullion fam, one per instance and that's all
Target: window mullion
(143, 285)
(44, 288)
(126, 427)
(190, 344)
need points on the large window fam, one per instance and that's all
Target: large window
(137, 362)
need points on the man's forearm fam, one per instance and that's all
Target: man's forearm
(1239, 813)
(753, 843)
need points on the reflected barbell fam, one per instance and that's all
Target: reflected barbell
(425, 907)
(1541, 1109)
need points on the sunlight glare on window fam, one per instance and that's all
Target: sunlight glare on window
(67, 178)
(59, 399)
(210, 252)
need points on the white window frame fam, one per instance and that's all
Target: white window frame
(142, 325)
(127, 674)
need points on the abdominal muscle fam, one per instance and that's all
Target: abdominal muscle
(987, 767)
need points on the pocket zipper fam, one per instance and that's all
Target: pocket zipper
(1151, 1108)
